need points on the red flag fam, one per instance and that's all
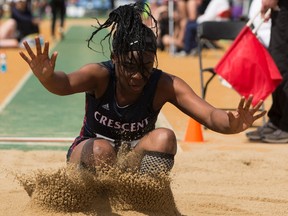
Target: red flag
(249, 68)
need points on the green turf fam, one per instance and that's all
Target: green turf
(29, 147)
(35, 112)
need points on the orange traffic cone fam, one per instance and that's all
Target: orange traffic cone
(194, 132)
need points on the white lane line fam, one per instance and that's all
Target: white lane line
(9, 98)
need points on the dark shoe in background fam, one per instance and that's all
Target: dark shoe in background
(261, 132)
(278, 136)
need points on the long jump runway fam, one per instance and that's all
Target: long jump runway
(34, 115)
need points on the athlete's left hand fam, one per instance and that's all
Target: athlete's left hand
(245, 115)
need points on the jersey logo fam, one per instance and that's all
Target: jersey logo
(106, 106)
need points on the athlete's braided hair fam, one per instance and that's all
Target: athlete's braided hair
(127, 31)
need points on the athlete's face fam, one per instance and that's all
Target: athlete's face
(134, 70)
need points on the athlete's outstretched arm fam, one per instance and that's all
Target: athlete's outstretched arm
(179, 93)
(58, 82)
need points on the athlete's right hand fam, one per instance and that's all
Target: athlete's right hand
(40, 63)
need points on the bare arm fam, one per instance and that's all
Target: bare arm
(87, 78)
(179, 93)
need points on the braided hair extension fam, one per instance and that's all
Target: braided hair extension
(127, 31)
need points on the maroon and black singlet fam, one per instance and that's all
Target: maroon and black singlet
(105, 119)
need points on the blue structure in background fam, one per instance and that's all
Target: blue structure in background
(80, 8)
(94, 4)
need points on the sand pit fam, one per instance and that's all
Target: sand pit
(210, 179)
(225, 175)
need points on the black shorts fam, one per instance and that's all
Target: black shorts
(115, 144)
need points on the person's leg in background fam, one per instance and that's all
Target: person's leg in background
(278, 113)
(276, 129)
(8, 29)
(190, 37)
(8, 34)
(53, 18)
(62, 18)
(188, 12)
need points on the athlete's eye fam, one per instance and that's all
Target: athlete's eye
(130, 68)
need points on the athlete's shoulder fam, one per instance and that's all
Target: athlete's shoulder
(166, 77)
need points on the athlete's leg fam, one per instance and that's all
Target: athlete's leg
(160, 139)
(158, 149)
(93, 152)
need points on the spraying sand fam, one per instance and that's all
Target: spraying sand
(207, 179)
(69, 189)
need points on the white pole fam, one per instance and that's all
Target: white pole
(171, 24)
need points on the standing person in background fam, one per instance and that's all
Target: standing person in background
(276, 129)
(58, 7)
(27, 24)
